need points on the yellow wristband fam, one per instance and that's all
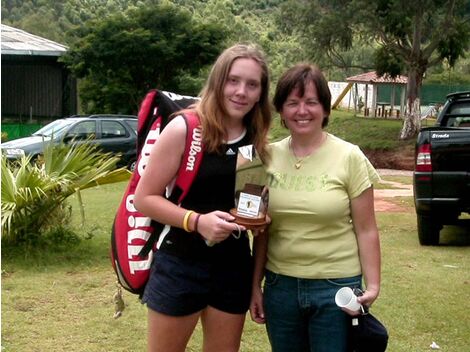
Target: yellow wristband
(186, 220)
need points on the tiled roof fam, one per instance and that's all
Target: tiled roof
(372, 77)
(18, 42)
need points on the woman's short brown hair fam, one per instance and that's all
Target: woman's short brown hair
(298, 77)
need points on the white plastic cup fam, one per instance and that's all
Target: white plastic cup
(345, 298)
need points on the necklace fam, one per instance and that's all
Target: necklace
(298, 164)
(298, 161)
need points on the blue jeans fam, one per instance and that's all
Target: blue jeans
(301, 314)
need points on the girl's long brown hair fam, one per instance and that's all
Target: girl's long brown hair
(211, 109)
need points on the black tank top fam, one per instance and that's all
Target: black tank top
(213, 189)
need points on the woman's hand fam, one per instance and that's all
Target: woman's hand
(260, 230)
(367, 298)
(256, 306)
(216, 226)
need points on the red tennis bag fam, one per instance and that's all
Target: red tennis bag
(134, 236)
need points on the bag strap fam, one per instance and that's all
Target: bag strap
(192, 155)
(192, 158)
(144, 118)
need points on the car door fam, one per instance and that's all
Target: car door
(114, 137)
(81, 132)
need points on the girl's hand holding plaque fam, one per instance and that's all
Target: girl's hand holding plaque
(251, 207)
(251, 196)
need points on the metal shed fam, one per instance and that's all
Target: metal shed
(35, 85)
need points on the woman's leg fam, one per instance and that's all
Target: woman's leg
(169, 334)
(286, 318)
(222, 331)
(328, 328)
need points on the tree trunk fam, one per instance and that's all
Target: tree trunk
(412, 117)
(412, 123)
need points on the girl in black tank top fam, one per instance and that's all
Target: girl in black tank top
(212, 189)
(200, 269)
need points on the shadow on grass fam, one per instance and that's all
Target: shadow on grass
(453, 235)
(51, 253)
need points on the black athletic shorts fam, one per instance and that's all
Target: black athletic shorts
(180, 286)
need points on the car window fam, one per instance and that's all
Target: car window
(461, 122)
(459, 115)
(133, 124)
(83, 130)
(460, 108)
(53, 128)
(112, 129)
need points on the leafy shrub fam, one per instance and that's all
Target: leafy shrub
(34, 194)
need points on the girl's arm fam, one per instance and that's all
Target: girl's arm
(162, 167)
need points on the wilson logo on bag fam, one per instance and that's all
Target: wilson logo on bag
(134, 236)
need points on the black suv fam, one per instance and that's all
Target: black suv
(113, 133)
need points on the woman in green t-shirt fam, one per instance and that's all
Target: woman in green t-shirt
(323, 234)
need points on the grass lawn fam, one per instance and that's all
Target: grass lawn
(61, 299)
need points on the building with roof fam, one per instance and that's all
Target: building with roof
(373, 79)
(35, 85)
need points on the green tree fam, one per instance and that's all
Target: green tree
(255, 21)
(408, 36)
(120, 58)
(36, 16)
(34, 194)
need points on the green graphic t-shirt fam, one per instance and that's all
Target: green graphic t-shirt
(311, 234)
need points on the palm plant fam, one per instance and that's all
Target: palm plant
(34, 194)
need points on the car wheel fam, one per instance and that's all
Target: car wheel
(428, 231)
(131, 166)
(37, 160)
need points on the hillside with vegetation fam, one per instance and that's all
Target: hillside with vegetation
(117, 46)
(263, 21)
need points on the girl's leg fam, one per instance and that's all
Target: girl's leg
(169, 334)
(222, 331)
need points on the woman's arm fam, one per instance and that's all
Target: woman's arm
(367, 234)
(260, 246)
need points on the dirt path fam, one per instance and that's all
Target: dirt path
(382, 197)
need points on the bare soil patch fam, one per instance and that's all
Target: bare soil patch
(402, 159)
(384, 198)
(383, 205)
